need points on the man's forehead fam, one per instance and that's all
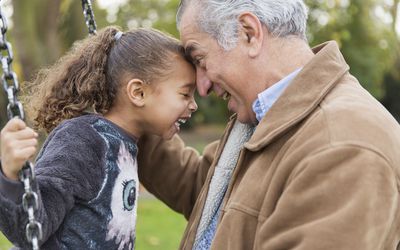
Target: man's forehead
(191, 36)
(191, 39)
(187, 24)
(187, 29)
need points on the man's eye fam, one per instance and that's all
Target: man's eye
(197, 60)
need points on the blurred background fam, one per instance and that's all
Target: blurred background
(368, 33)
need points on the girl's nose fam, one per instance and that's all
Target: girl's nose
(193, 106)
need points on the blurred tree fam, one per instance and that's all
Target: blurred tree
(366, 40)
(37, 37)
(159, 14)
(44, 30)
(391, 100)
(3, 97)
(36, 22)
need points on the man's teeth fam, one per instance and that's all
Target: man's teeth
(226, 96)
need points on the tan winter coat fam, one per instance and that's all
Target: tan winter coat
(321, 171)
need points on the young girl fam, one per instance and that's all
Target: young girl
(136, 83)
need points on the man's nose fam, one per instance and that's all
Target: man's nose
(203, 83)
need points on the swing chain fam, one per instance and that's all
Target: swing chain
(89, 16)
(9, 78)
(15, 109)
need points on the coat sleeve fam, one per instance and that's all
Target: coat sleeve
(173, 172)
(62, 178)
(343, 197)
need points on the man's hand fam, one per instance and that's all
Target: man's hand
(18, 143)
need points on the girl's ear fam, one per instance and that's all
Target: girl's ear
(135, 90)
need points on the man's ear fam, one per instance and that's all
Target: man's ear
(252, 32)
(135, 90)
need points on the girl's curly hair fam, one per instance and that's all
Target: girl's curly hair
(89, 76)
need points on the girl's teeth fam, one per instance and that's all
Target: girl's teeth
(179, 122)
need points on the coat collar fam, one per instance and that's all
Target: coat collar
(302, 96)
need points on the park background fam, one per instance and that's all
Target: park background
(41, 31)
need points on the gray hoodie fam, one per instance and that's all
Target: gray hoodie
(86, 178)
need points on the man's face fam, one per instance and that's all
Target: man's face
(223, 72)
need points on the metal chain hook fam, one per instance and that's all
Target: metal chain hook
(15, 109)
(89, 16)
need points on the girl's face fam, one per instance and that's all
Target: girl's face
(171, 102)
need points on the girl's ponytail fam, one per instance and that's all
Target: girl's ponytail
(75, 84)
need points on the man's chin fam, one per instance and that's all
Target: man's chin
(243, 117)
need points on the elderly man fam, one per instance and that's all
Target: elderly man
(310, 160)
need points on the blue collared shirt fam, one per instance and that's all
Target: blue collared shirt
(268, 97)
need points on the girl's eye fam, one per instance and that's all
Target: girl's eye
(185, 94)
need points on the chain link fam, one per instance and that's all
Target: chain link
(15, 109)
(89, 16)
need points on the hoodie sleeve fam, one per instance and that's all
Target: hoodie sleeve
(64, 175)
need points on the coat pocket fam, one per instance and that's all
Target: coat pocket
(237, 228)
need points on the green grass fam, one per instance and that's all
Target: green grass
(158, 227)
(4, 243)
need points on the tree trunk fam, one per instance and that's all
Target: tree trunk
(35, 34)
(394, 13)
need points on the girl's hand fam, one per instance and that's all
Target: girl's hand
(18, 144)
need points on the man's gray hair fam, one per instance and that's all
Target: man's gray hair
(219, 18)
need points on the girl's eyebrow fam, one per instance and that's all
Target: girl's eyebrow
(188, 85)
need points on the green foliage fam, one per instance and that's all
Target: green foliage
(211, 110)
(158, 227)
(146, 13)
(365, 40)
(392, 88)
(4, 243)
(44, 30)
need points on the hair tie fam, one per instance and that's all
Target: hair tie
(118, 35)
